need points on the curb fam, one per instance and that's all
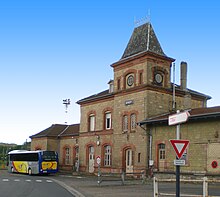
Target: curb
(70, 189)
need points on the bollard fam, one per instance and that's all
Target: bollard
(99, 175)
(205, 187)
(155, 187)
(123, 177)
(143, 177)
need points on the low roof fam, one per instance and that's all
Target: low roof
(103, 94)
(195, 115)
(58, 130)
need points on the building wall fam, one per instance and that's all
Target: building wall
(98, 108)
(39, 143)
(203, 136)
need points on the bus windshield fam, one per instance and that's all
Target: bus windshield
(49, 156)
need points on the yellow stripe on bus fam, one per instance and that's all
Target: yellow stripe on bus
(20, 166)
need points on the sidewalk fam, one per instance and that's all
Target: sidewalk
(87, 186)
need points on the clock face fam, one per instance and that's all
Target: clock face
(158, 78)
(130, 80)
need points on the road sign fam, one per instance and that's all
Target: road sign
(178, 118)
(98, 160)
(214, 164)
(179, 146)
(179, 162)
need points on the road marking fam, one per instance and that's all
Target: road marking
(27, 180)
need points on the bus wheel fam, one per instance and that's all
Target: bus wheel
(29, 171)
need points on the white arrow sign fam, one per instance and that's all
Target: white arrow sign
(178, 118)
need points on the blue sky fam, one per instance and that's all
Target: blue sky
(52, 50)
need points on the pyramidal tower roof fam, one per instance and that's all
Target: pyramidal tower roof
(143, 39)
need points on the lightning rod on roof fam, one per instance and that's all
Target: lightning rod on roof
(143, 20)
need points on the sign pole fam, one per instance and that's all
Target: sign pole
(179, 145)
(177, 166)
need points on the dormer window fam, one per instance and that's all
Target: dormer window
(111, 86)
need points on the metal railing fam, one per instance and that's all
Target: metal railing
(205, 182)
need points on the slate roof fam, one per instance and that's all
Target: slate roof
(102, 94)
(193, 92)
(106, 94)
(195, 115)
(143, 39)
(58, 130)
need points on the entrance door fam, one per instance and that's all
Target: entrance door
(161, 155)
(91, 159)
(129, 161)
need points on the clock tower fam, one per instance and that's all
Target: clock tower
(144, 69)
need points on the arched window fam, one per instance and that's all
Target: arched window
(133, 122)
(162, 153)
(125, 123)
(92, 122)
(67, 155)
(108, 120)
(107, 155)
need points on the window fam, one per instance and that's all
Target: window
(92, 122)
(67, 156)
(119, 84)
(161, 151)
(108, 120)
(133, 121)
(139, 157)
(140, 78)
(125, 123)
(107, 156)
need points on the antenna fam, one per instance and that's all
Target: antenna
(141, 21)
(66, 102)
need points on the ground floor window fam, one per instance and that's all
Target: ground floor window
(67, 156)
(107, 155)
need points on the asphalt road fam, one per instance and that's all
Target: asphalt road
(19, 185)
(66, 185)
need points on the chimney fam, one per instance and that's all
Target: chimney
(183, 75)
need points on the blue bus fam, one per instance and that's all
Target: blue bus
(33, 162)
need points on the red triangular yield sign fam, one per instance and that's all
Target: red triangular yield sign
(179, 146)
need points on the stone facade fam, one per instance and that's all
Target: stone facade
(203, 149)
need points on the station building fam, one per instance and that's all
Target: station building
(127, 124)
